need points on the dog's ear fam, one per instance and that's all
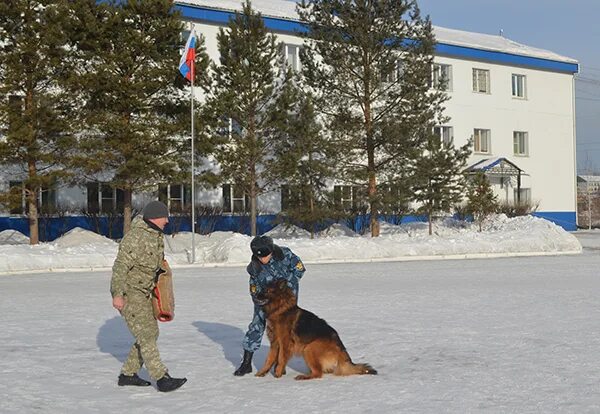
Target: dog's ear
(281, 284)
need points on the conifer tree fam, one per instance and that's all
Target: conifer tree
(304, 159)
(481, 198)
(438, 182)
(136, 114)
(35, 111)
(369, 65)
(248, 82)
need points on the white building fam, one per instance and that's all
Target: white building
(515, 101)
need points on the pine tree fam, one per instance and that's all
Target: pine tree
(481, 198)
(35, 111)
(369, 64)
(438, 182)
(136, 113)
(304, 159)
(248, 83)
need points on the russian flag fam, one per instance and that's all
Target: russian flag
(186, 64)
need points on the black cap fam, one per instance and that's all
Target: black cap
(262, 246)
(155, 209)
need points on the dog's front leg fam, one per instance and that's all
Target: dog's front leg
(271, 358)
(282, 359)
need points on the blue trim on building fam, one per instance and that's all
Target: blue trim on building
(293, 27)
(505, 58)
(52, 228)
(565, 219)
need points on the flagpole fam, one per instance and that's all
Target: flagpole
(193, 193)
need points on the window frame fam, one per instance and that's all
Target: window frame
(437, 77)
(446, 143)
(114, 197)
(349, 201)
(476, 142)
(477, 81)
(525, 137)
(228, 192)
(524, 191)
(515, 77)
(175, 204)
(296, 65)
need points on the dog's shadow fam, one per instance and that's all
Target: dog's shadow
(230, 339)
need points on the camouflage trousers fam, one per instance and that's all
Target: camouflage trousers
(144, 327)
(256, 330)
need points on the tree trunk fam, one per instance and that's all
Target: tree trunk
(253, 214)
(34, 235)
(31, 195)
(253, 197)
(126, 210)
(430, 215)
(372, 186)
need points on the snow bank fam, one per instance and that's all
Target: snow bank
(12, 237)
(82, 249)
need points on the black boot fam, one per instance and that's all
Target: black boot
(166, 383)
(132, 380)
(246, 366)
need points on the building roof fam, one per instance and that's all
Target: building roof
(286, 10)
(589, 178)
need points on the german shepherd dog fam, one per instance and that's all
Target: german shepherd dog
(296, 331)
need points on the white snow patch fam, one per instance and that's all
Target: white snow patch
(337, 230)
(82, 249)
(288, 231)
(13, 237)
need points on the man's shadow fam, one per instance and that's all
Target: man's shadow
(114, 338)
(230, 338)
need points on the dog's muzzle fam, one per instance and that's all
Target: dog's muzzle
(260, 301)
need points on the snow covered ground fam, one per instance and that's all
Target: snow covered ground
(501, 236)
(485, 335)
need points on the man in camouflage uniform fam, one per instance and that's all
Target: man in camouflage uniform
(269, 262)
(139, 261)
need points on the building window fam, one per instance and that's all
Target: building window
(348, 197)
(524, 196)
(177, 197)
(104, 199)
(234, 199)
(46, 203)
(291, 196)
(482, 141)
(291, 54)
(520, 143)
(518, 86)
(441, 77)
(394, 75)
(445, 134)
(17, 202)
(47, 200)
(481, 80)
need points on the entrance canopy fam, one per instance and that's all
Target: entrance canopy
(498, 166)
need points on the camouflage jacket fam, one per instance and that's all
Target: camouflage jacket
(284, 264)
(140, 255)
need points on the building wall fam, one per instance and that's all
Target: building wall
(547, 115)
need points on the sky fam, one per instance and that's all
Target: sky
(567, 27)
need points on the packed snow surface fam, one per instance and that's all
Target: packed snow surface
(82, 249)
(503, 335)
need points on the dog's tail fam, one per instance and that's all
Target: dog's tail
(347, 367)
